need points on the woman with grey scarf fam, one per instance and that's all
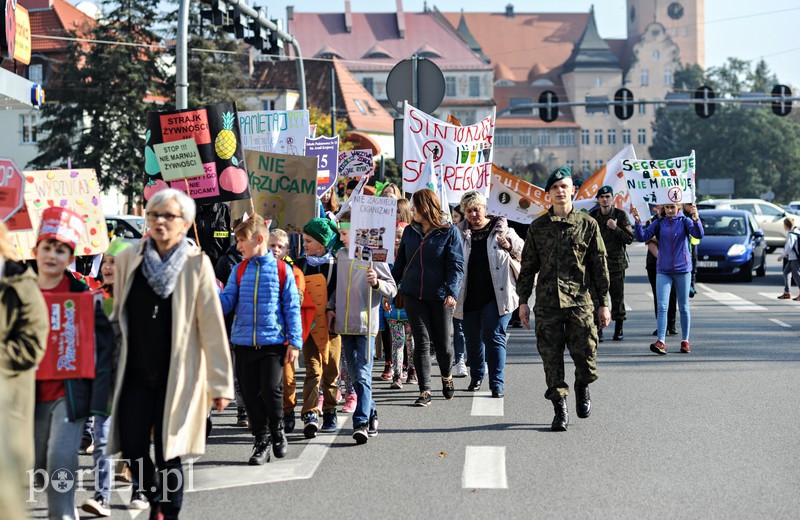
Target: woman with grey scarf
(174, 359)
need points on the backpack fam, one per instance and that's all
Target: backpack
(796, 246)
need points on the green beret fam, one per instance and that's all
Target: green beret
(560, 173)
(322, 230)
(605, 190)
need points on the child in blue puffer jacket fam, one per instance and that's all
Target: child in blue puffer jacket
(266, 333)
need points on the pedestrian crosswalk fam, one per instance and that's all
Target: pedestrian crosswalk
(485, 468)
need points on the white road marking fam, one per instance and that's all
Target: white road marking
(781, 323)
(483, 404)
(774, 296)
(485, 468)
(734, 302)
(649, 295)
(705, 287)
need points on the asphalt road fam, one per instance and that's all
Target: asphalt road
(712, 434)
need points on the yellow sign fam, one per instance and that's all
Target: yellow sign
(22, 49)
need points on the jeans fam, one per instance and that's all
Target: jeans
(486, 341)
(57, 440)
(664, 284)
(102, 464)
(430, 324)
(459, 343)
(791, 271)
(357, 349)
(260, 372)
(672, 311)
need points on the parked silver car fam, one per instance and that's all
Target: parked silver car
(769, 216)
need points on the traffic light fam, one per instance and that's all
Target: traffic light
(708, 107)
(781, 107)
(259, 39)
(340, 189)
(624, 110)
(549, 112)
(216, 12)
(275, 43)
(239, 22)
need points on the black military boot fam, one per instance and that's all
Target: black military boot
(279, 443)
(599, 334)
(583, 404)
(260, 452)
(618, 330)
(561, 420)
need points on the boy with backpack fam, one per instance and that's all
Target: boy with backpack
(266, 333)
(791, 259)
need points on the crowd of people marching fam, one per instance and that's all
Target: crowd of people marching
(179, 331)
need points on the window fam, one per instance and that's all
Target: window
(771, 211)
(504, 139)
(585, 166)
(612, 136)
(369, 85)
(525, 138)
(626, 136)
(584, 137)
(656, 54)
(642, 136)
(543, 138)
(28, 127)
(598, 136)
(474, 86)
(360, 107)
(566, 137)
(667, 77)
(598, 164)
(465, 117)
(642, 109)
(450, 86)
(645, 77)
(35, 73)
(267, 104)
(571, 164)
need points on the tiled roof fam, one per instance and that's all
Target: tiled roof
(56, 21)
(317, 31)
(592, 52)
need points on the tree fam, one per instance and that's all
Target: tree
(100, 109)
(756, 148)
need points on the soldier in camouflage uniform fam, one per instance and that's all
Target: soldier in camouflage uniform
(617, 233)
(565, 248)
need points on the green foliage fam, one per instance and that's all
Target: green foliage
(756, 148)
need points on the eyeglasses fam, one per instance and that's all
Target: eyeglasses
(152, 216)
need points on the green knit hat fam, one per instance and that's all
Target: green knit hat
(558, 174)
(322, 230)
(117, 246)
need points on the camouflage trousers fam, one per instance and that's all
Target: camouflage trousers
(574, 329)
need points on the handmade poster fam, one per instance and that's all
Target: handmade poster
(215, 131)
(356, 163)
(70, 342)
(463, 153)
(610, 174)
(77, 190)
(372, 228)
(667, 181)
(179, 160)
(515, 199)
(283, 189)
(275, 131)
(327, 150)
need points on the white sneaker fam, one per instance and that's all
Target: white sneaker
(97, 506)
(460, 369)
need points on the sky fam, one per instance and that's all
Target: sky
(734, 28)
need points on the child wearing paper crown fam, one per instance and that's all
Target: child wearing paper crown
(63, 405)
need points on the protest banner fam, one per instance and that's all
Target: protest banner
(215, 131)
(464, 153)
(372, 228)
(610, 174)
(77, 190)
(515, 199)
(70, 341)
(275, 131)
(283, 189)
(356, 163)
(179, 160)
(327, 150)
(667, 181)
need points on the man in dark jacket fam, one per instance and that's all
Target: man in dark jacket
(214, 230)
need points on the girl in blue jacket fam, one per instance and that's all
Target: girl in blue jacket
(674, 265)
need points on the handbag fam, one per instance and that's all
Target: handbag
(398, 301)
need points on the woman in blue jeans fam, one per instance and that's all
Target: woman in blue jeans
(674, 265)
(490, 247)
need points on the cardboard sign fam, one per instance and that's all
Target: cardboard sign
(275, 131)
(77, 190)
(515, 199)
(317, 289)
(70, 343)
(610, 174)
(215, 131)
(326, 149)
(355, 163)
(463, 153)
(668, 181)
(283, 188)
(179, 160)
(372, 225)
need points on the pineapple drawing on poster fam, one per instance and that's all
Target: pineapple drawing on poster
(373, 223)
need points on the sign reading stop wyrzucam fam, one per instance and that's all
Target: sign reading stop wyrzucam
(11, 189)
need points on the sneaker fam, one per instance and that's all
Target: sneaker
(412, 378)
(797, 299)
(387, 372)
(475, 385)
(242, 422)
(87, 443)
(350, 401)
(288, 421)
(372, 427)
(785, 296)
(310, 425)
(460, 369)
(329, 421)
(685, 347)
(448, 390)
(424, 399)
(98, 506)
(397, 384)
(139, 501)
(279, 443)
(360, 434)
(404, 377)
(659, 347)
(260, 454)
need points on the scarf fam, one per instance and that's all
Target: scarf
(162, 274)
(316, 261)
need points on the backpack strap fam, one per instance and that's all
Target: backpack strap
(281, 275)
(240, 269)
